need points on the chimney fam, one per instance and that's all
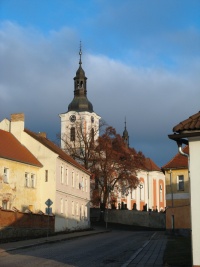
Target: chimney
(17, 117)
(17, 125)
(42, 134)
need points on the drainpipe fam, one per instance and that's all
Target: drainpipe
(180, 149)
(179, 143)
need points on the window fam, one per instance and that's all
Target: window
(77, 181)
(82, 184)
(66, 174)
(180, 182)
(6, 175)
(72, 134)
(72, 207)
(72, 179)
(4, 204)
(86, 212)
(161, 193)
(46, 175)
(86, 185)
(77, 207)
(66, 208)
(133, 194)
(82, 211)
(26, 179)
(33, 181)
(61, 205)
(61, 175)
(92, 135)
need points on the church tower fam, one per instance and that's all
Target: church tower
(125, 135)
(80, 121)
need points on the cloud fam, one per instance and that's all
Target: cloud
(37, 79)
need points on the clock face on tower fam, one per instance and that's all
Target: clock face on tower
(72, 118)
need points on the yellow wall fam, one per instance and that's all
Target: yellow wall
(177, 201)
(14, 191)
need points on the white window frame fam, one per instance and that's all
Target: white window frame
(27, 184)
(61, 175)
(86, 185)
(86, 213)
(180, 181)
(33, 180)
(77, 209)
(6, 175)
(66, 207)
(61, 205)
(161, 192)
(73, 182)
(66, 176)
(72, 208)
(82, 184)
(4, 204)
(82, 211)
(77, 181)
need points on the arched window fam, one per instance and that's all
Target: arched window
(72, 134)
(92, 135)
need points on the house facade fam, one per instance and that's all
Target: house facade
(188, 132)
(60, 179)
(19, 175)
(177, 193)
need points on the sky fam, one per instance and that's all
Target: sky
(141, 58)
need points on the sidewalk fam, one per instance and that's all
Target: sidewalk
(50, 239)
(151, 253)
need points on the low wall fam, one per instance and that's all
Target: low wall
(136, 218)
(22, 225)
(132, 217)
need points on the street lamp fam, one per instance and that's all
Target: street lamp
(140, 187)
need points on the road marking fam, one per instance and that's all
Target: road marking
(137, 252)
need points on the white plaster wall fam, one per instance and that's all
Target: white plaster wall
(66, 124)
(194, 151)
(146, 196)
(66, 193)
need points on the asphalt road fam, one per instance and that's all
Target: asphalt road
(110, 249)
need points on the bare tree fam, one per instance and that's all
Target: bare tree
(80, 142)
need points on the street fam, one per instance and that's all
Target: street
(111, 249)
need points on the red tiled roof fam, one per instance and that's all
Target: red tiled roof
(150, 165)
(179, 161)
(12, 149)
(53, 147)
(190, 124)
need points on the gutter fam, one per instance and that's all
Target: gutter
(179, 143)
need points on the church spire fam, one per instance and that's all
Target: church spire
(125, 135)
(80, 101)
(80, 54)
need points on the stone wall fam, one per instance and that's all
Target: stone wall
(24, 225)
(132, 217)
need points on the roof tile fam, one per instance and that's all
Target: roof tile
(190, 124)
(11, 148)
(178, 161)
